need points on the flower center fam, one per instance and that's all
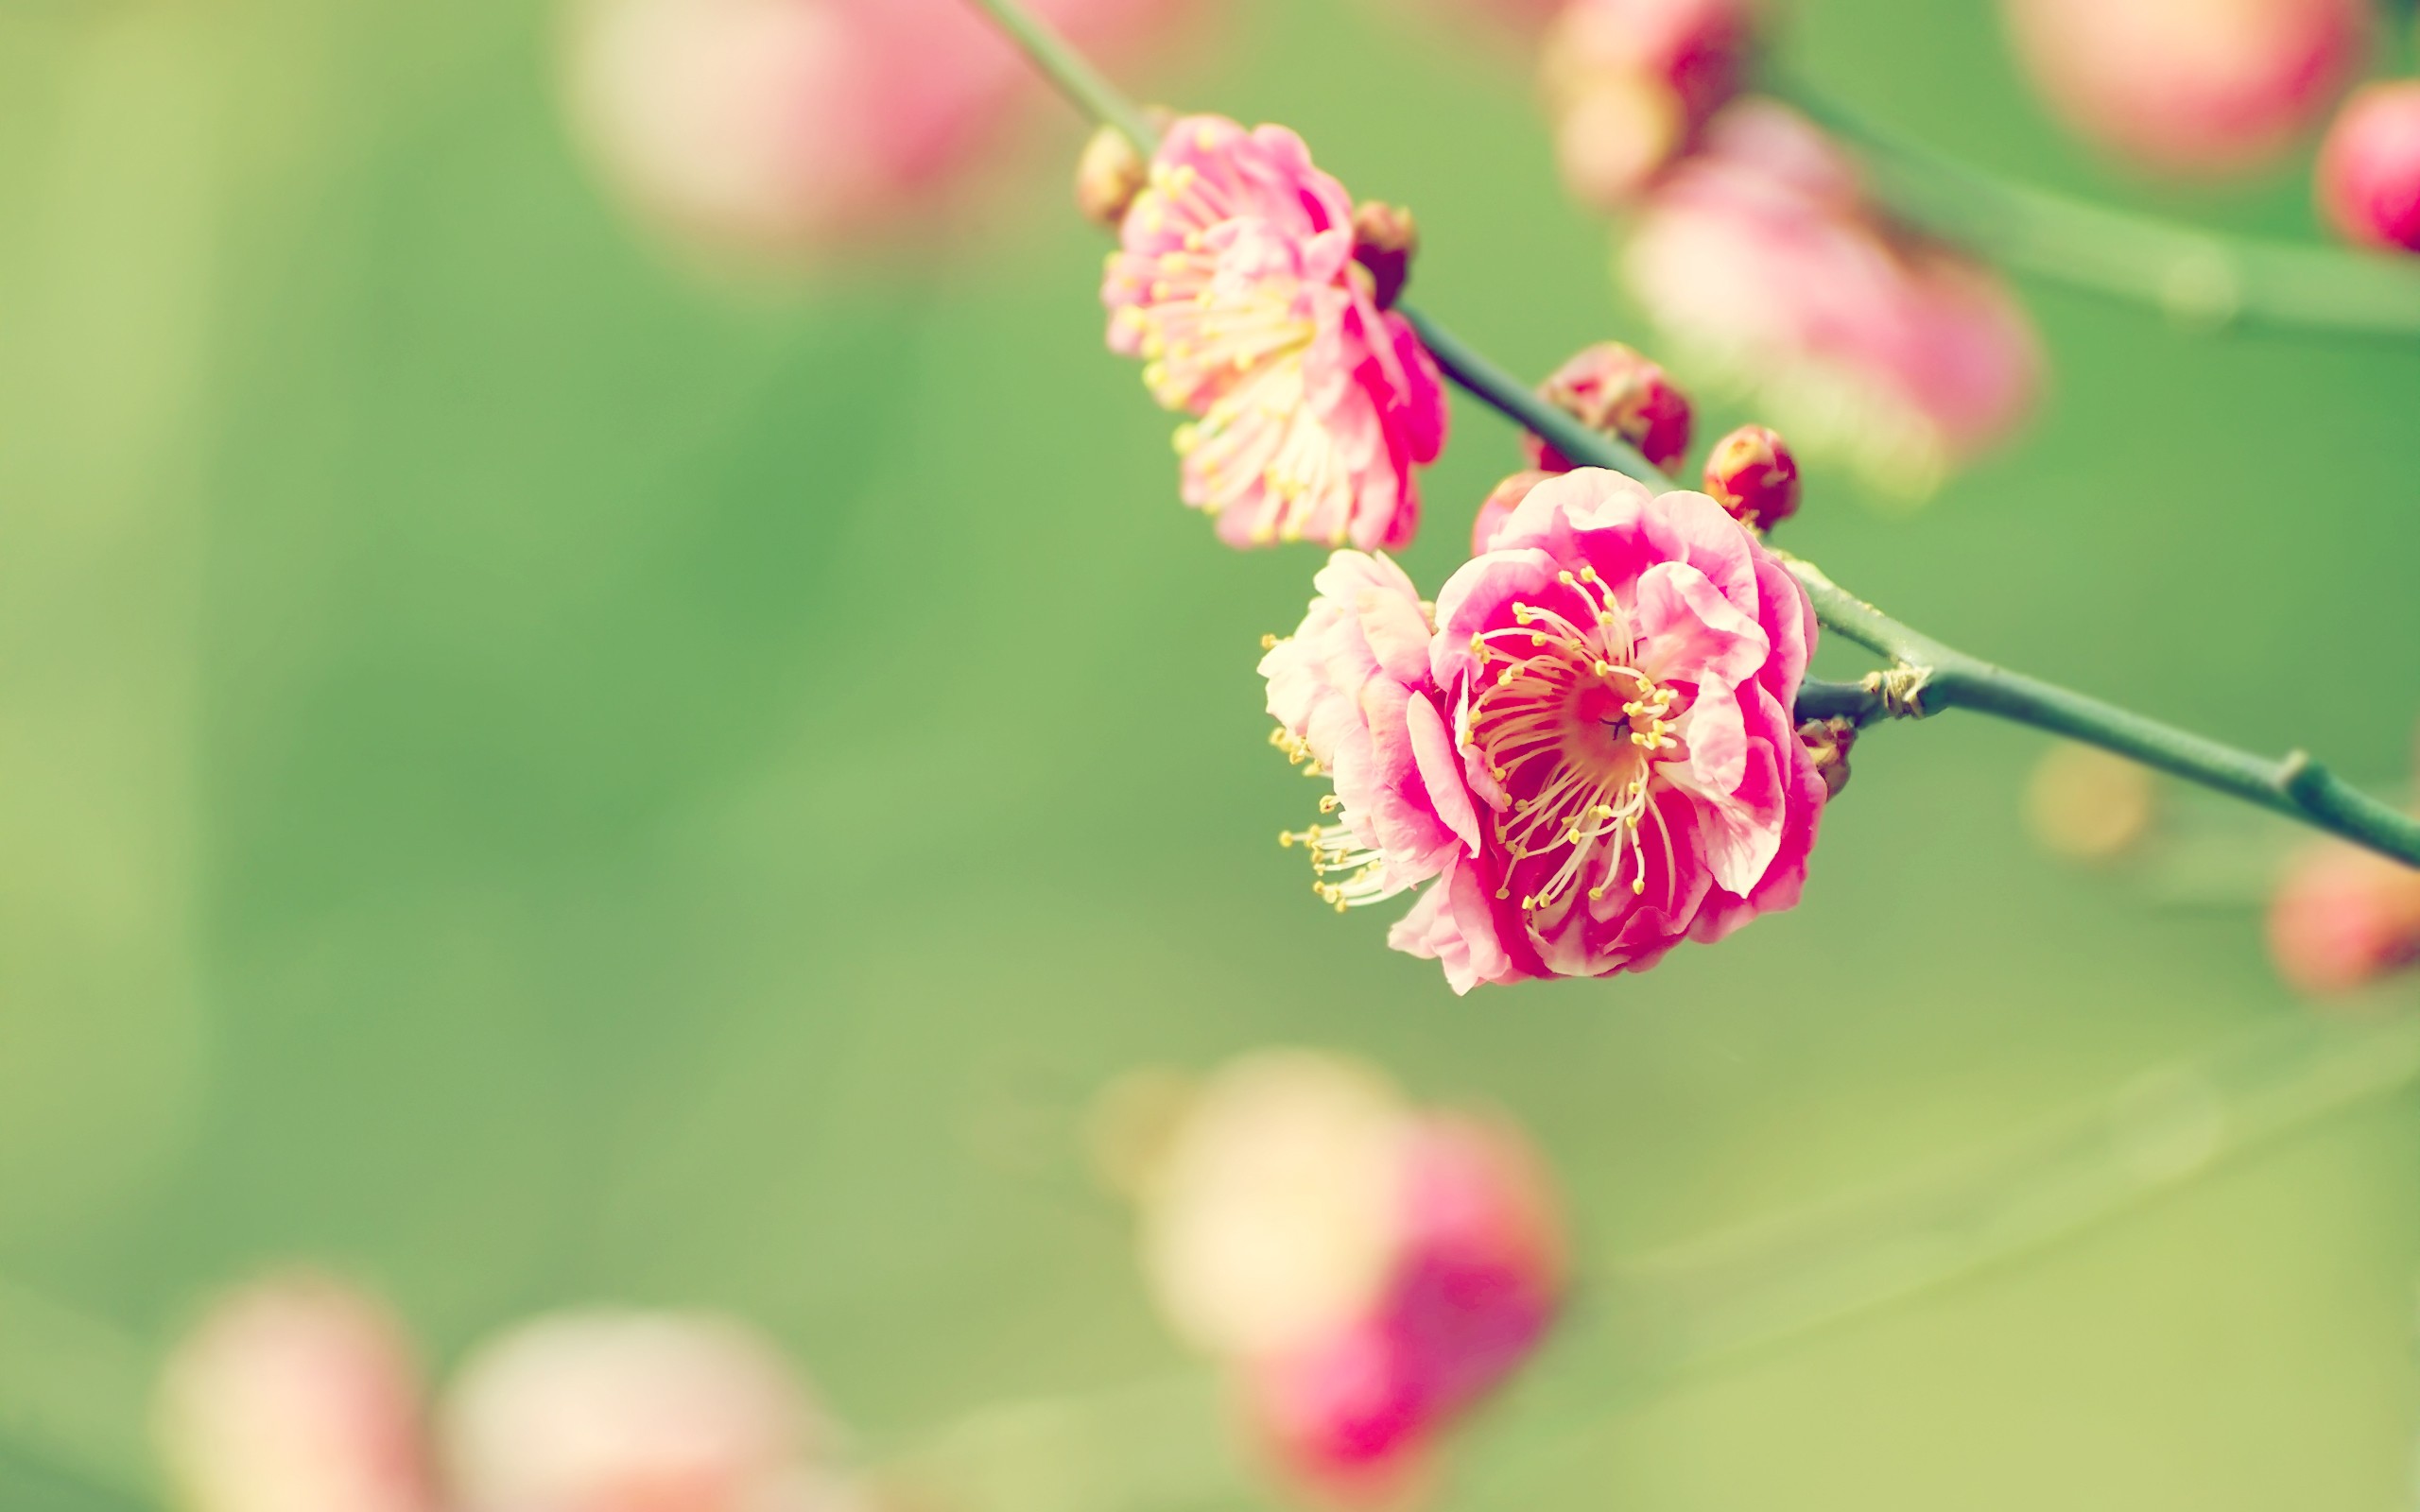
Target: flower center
(1573, 729)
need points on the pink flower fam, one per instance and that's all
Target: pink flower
(2369, 168)
(2191, 86)
(616, 1412)
(1599, 760)
(1368, 1269)
(1236, 282)
(1630, 83)
(2344, 917)
(782, 127)
(1764, 263)
(294, 1396)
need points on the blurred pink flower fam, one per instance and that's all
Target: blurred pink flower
(1630, 83)
(1237, 283)
(2191, 86)
(295, 1394)
(632, 1412)
(2369, 168)
(780, 128)
(1350, 691)
(1621, 669)
(1762, 261)
(2342, 918)
(1368, 1269)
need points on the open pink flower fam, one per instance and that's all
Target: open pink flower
(2194, 87)
(782, 127)
(1600, 759)
(1765, 264)
(1368, 1269)
(1235, 282)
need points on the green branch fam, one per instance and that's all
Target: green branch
(2200, 277)
(1925, 675)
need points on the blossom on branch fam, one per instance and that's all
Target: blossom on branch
(1765, 264)
(1236, 282)
(1598, 760)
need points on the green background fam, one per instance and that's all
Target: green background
(529, 777)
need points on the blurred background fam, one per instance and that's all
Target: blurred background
(534, 772)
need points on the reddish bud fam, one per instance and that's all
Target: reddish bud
(1499, 507)
(1829, 740)
(1751, 473)
(1385, 237)
(2369, 169)
(1108, 177)
(2344, 917)
(1612, 389)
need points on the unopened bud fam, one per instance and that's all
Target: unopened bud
(1108, 177)
(1385, 238)
(2369, 169)
(1829, 740)
(1610, 387)
(1499, 507)
(1751, 473)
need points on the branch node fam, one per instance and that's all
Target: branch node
(1901, 689)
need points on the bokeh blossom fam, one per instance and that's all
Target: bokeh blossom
(783, 128)
(1629, 84)
(1237, 283)
(2368, 180)
(1598, 760)
(295, 1394)
(1367, 1269)
(2342, 918)
(300, 1396)
(2195, 87)
(1763, 261)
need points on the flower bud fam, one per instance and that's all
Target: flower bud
(2342, 918)
(1108, 177)
(1829, 740)
(588, 1412)
(2369, 169)
(1385, 238)
(295, 1395)
(1751, 473)
(1612, 389)
(1499, 507)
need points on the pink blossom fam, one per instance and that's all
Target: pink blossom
(1612, 389)
(1237, 283)
(2191, 86)
(1630, 83)
(613, 1412)
(1763, 262)
(294, 1396)
(2369, 168)
(781, 128)
(1600, 759)
(1368, 1269)
(2342, 918)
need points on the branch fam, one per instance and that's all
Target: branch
(2199, 277)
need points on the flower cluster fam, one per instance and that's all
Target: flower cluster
(1367, 1269)
(299, 1394)
(1236, 282)
(1587, 748)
